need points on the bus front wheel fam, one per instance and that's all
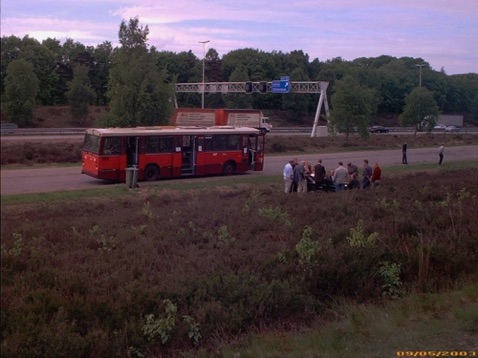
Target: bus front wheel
(229, 168)
(151, 172)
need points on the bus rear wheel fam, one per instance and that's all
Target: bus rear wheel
(151, 172)
(229, 168)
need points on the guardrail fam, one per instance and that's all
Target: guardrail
(42, 131)
(79, 131)
(391, 129)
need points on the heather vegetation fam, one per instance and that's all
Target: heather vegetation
(146, 273)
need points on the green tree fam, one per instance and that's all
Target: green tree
(296, 104)
(100, 71)
(80, 95)
(393, 79)
(420, 110)
(10, 46)
(21, 88)
(43, 61)
(138, 92)
(333, 71)
(461, 92)
(213, 73)
(183, 67)
(250, 60)
(238, 100)
(353, 106)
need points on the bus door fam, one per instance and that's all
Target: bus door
(188, 150)
(255, 144)
(259, 166)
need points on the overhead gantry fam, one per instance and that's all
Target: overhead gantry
(282, 87)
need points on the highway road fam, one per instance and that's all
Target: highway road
(23, 181)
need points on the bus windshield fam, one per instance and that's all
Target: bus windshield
(91, 143)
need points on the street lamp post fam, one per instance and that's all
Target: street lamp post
(203, 58)
(420, 81)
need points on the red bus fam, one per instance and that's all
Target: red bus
(166, 152)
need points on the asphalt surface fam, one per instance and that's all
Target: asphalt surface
(42, 180)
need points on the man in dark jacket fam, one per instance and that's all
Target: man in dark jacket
(366, 175)
(352, 168)
(299, 177)
(319, 174)
(404, 153)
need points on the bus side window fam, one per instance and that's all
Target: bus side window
(233, 142)
(177, 143)
(153, 145)
(219, 142)
(166, 144)
(200, 143)
(207, 144)
(112, 146)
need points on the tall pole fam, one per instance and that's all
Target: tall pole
(420, 81)
(203, 59)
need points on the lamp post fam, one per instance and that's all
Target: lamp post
(203, 58)
(420, 82)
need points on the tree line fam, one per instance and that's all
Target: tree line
(136, 81)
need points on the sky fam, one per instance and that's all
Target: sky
(444, 33)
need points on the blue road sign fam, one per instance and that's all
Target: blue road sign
(281, 86)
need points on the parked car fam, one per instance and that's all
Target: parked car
(8, 128)
(378, 129)
(439, 127)
(326, 186)
(451, 129)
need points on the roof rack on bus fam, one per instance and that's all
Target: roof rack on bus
(190, 127)
(155, 127)
(223, 127)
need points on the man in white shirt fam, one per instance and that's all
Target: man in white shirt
(288, 174)
(341, 177)
(441, 149)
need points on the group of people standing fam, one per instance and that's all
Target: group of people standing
(296, 174)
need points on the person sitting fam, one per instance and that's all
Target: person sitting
(329, 181)
(354, 182)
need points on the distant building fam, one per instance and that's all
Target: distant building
(450, 120)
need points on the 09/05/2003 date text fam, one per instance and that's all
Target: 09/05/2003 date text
(437, 354)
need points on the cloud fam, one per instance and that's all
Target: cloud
(436, 30)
